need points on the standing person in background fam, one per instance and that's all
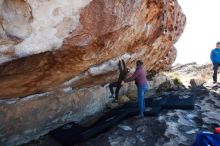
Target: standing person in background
(122, 75)
(215, 57)
(139, 77)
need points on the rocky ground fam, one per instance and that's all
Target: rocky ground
(170, 127)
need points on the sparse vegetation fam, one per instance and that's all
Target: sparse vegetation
(177, 81)
(151, 74)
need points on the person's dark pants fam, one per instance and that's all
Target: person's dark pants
(215, 68)
(117, 85)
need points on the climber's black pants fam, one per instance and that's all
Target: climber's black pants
(215, 68)
(118, 86)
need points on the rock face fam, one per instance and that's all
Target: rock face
(53, 41)
(28, 118)
(52, 50)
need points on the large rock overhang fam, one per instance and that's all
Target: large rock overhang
(58, 41)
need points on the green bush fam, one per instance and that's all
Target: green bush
(177, 81)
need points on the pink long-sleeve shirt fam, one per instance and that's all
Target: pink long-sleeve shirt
(139, 76)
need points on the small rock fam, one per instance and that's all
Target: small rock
(126, 128)
(192, 131)
(112, 105)
(196, 82)
(116, 141)
(130, 141)
(140, 138)
(165, 86)
(184, 97)
(141, 129)
(123, 99)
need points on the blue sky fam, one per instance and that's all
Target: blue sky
(202, 30)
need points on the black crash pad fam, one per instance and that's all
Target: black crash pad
(67, 134)
(103, 125)
(176, 102)
(149, 111)
(171, 102)
(152, 111)
(155, 101)
(71, 133)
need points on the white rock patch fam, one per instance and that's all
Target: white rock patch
(107, 66)
(52, 22)
(47, 16)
